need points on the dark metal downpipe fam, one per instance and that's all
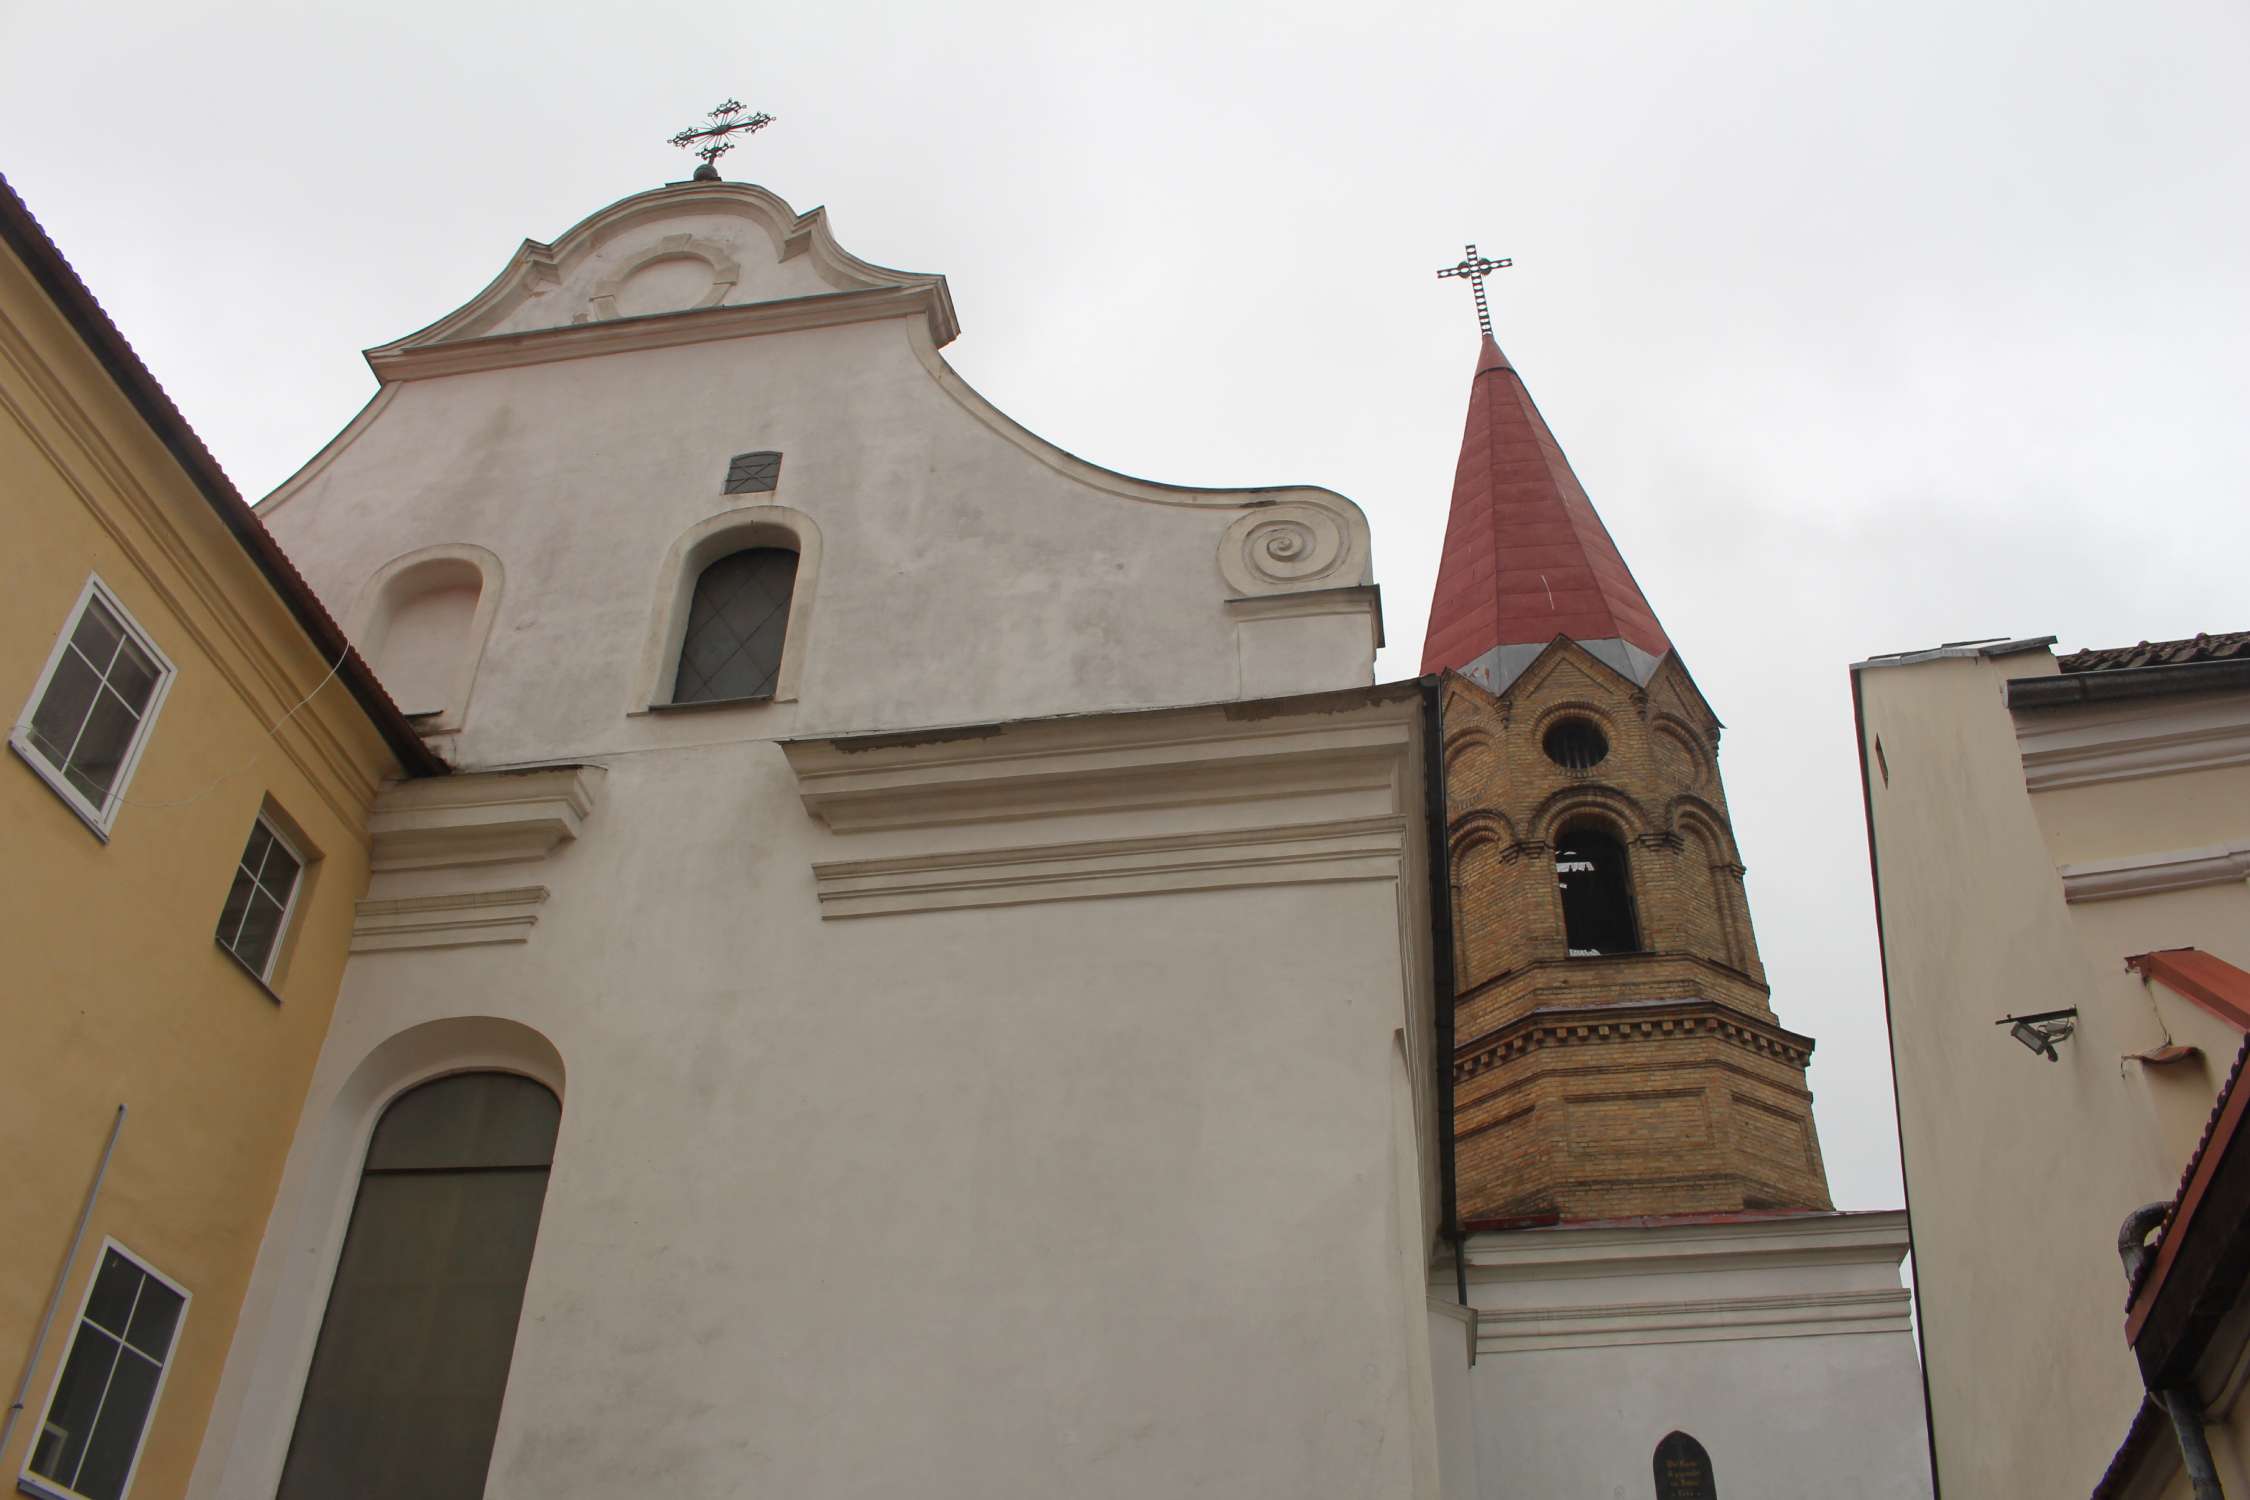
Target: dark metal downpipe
(1438, 837)
(2187, 1423)
(2182, 1406)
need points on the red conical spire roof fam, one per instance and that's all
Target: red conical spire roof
(1526, 558)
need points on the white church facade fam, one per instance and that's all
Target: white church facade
(929, 975)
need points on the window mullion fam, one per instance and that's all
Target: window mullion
(94, 1422)
(102, 671)
(234, 943)
(101, 681)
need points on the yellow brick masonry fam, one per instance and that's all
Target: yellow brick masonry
(1650, 1083)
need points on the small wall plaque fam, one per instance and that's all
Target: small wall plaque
(753, 473)
(1683, 1469)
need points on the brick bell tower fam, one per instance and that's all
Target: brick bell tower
(1617, 1056)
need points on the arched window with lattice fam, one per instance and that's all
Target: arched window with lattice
(737, 624)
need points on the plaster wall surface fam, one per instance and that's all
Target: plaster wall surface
(117, 992)
(969, 572)
(1780, 1345)
(2019, 1170)
(961, 582)
(1010, 1110)
(2142, 825)
(995, 1201)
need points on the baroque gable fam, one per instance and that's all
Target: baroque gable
(604, 387)
(622, 277)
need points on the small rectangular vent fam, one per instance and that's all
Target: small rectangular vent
(753, 473)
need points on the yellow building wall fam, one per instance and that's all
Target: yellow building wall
(116, 990)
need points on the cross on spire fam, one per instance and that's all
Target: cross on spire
(1473, 269)
(715, 139)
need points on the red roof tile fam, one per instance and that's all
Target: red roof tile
(2228, 646)
(1526, 558)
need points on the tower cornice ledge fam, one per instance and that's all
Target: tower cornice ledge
(1628, 1020)
(1561, 971)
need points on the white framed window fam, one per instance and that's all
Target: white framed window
(261, 898)
(88, 1441)
(88, 718)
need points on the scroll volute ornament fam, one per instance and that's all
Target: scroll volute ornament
(1289, 546)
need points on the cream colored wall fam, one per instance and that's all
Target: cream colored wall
(1070, 1161)
(1781, 1344)
(117, 992)
(1006, 1110)
(2178, 1096)
(2117, 820)
(2018, 1170)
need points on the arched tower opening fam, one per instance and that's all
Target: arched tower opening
(1597, 893)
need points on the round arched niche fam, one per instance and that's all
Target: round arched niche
(667, 284)
(677, 273)
(422, 622)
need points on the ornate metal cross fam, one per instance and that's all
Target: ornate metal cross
(715, 140)
(1473, 269)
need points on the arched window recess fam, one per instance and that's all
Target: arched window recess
(422, 623)
(733, 605)
(1597, 892)
(737, 625)
(403, 1397)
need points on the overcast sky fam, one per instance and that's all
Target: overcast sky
(1866, 325)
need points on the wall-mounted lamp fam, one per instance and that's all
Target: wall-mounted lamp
(2040, 1032)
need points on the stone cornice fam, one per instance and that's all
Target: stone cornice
(1627, 1021)
(1686, 1280)
(667, 330)
(1693, 1320)
(1102, 763)
(2147, 874)
(491, 817)
(459, 919)
(1291, 854)
(2084, 745)
(1663, 1247)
